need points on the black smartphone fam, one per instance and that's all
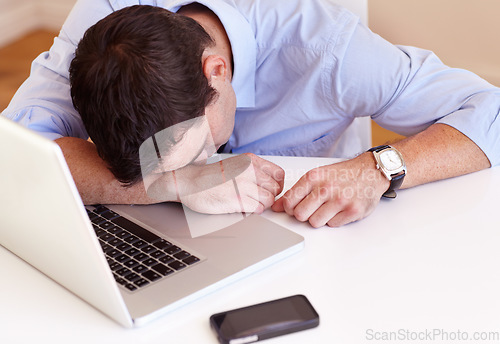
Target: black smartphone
(264, 320)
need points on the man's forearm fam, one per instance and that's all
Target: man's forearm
(339, 194)
(439, 152)
(93, 179)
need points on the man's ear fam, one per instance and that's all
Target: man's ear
(215, 68)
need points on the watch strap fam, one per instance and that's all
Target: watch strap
(396, 183)
(378, 148)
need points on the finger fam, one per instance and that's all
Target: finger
(269, 168)
(243, 199)
(265, 198)
(267, 182)
(250, 205)
(253, 206)
(324, 214)
(354, 212)
(278, 205)
(247, 188)
(311, 203)
(342, 218)
(297, 193)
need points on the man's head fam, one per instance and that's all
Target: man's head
(136, 72)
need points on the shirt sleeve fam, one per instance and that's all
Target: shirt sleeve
(407, 89)
(43, 102)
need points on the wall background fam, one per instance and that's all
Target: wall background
(463, 33)
(18, 17)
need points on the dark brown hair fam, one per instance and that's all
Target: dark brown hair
(136, 72)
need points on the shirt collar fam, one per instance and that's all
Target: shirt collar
(243, 45)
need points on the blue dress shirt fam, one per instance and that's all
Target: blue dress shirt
(303, 71)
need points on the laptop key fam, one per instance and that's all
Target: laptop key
(131, 239)
(141, 282)
(136, 229)
(141, 257)
(132, 277)
(140, 244)
(123, 234)
(162, 269)
(113, 253)
(182, 255)
(132, 251)
(151, 275)
(172, 249)
(177, 265)
(123, 271)
(115, 266)
(92, 215)
(166, 259)
(191, 260)
(122, 258)
(148, 249)
(115, 242)
(157, 254)
(162, 244)
(99, 220)
(149, 261)
(99, 209)
(140, 269)
(107, 225)
(123, 246)
(98, 231)
(119, 280)
(131, 263)
(115, 230)
(106, 237)
(130, 287)
(110, 215)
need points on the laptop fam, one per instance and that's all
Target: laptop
(45, 223)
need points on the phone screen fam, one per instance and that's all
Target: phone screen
(266, 320)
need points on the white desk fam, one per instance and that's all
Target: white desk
(428, 260)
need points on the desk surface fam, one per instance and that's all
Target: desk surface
(424, 264)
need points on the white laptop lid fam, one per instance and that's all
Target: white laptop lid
(33, 181)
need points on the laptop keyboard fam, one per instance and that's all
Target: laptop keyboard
(136, 256)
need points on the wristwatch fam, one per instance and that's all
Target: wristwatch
(392, 165)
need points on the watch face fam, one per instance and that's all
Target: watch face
(391, 160)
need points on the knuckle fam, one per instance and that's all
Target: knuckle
(286, 201)
(300, 215)
(343, 201)
(250, 155)
(313, 175)
(267, 200)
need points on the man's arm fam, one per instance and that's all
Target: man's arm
(349, 191)
(94, 181)
(259, 182)
(438, 153)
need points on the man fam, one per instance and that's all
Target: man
(297, 73)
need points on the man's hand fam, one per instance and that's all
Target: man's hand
(336, 194)
(244, 183)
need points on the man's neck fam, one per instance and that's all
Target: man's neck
(212, 25)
